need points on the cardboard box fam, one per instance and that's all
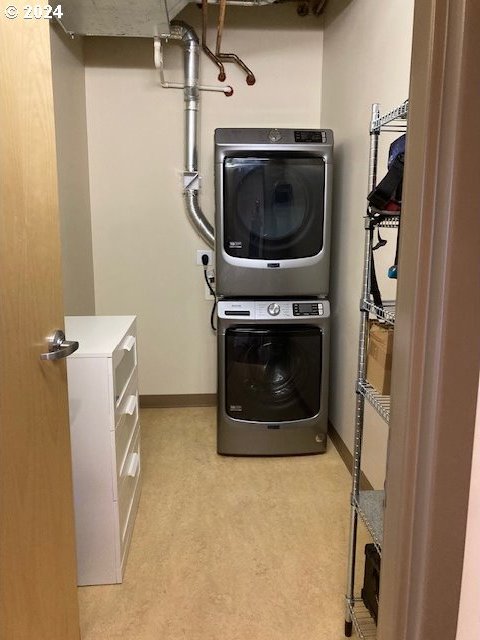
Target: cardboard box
(379, 356)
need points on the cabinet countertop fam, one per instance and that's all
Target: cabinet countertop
(98, 336)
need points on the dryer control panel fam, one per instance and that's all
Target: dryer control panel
(310, 136)
(273, 309)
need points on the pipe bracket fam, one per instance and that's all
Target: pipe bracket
(191, 181)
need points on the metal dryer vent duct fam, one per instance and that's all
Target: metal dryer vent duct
(186, 36)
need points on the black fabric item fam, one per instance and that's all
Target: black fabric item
(396, 248)
(380, 241)
(390, 186)
(374, 289)
(387, 192)
(371, 580)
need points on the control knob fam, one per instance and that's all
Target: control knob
(274, 135)
(273, 309)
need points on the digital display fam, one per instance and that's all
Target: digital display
(305, 309)
(310, 136)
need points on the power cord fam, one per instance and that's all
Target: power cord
(211, 289)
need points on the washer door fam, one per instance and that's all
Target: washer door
(273, 373)
(273, 207)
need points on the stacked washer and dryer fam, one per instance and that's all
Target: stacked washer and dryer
(273, 213)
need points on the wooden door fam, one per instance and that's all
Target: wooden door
(436, 352)
(38, 599)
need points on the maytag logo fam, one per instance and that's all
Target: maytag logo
(237, 408)
(235, 244)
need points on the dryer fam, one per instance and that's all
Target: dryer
(273, 359)
(273, 211)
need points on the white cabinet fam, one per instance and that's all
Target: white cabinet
(105, 438)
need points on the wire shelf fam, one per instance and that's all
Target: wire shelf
(363, 623)
(380, 218)
(369, 506)
(389, 223)
(380, 403)
(399, 113)
(387, 313)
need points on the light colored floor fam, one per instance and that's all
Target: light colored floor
(227, 548)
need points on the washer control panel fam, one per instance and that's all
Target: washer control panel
(308, 308)
(272, 310)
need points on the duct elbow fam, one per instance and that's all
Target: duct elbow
(197, 217)
(183, 31)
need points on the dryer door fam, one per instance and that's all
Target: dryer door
(273, 373)
(273, 206)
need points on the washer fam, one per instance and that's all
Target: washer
(273, 358)
(273, 211)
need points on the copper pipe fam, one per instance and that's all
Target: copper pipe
(229, 57)
(319, 7)
(221, 76)
(220, 25)
(232, 57)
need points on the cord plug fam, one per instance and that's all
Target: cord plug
(210, 274)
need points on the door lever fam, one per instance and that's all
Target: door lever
(58, 347)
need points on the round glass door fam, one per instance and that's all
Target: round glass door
(279, 214)
(273, 373)
(273, 207)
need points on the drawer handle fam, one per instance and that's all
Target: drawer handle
(128, 343)
(130, 405)
(133, 464)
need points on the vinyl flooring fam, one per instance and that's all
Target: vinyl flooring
(227, 548)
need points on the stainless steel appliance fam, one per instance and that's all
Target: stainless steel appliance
(273, 208)
(272, 376)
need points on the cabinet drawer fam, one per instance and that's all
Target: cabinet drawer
(125, 403)
(124, 433)
(127, 482)
(124, 362)
(126, 534)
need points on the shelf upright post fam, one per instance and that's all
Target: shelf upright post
(360, 402)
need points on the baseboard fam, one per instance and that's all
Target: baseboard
(346, 456)
(178, 400)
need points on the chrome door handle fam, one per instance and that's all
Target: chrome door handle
(58, 347)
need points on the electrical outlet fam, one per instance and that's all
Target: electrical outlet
(208, 295)
(201, 252)
(211, 279)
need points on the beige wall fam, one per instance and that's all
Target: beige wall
(144, 247)
(366, 59)
(73, 178)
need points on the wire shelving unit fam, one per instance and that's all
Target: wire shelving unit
(368, 506)
(362, 622)
(387, 313)
(380, 403)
